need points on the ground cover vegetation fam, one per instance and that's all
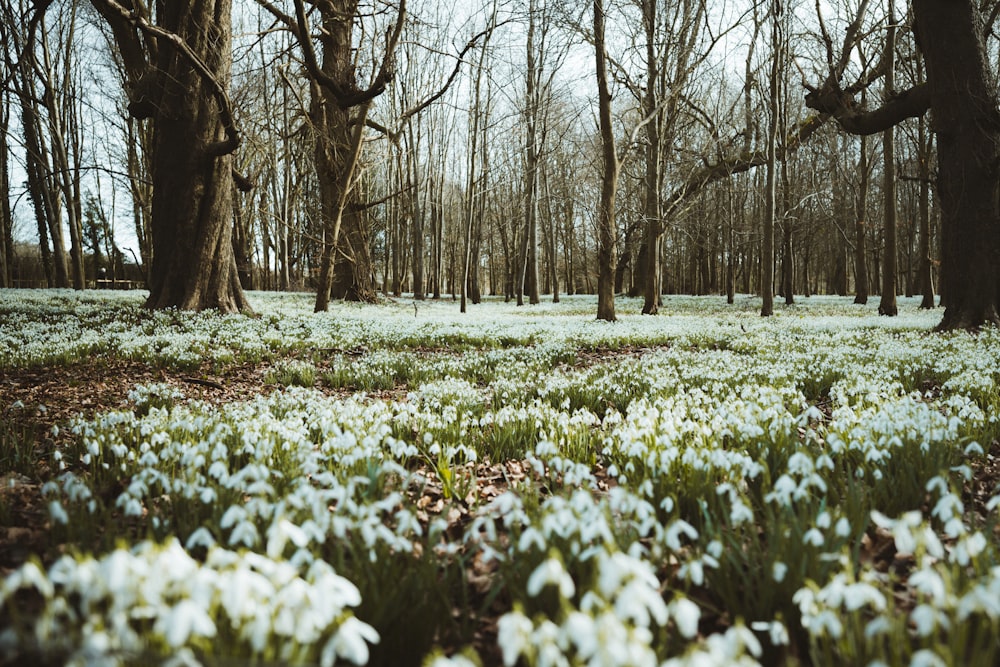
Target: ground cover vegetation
(388, 485)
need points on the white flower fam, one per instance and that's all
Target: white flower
(201, 537)
(813, 537)
(686, 615)
(929, 582)
(778, 571)
(453, 661)
(926, 658)
(674, 532)
(879, 625)
(185, 620)
(580, 629)
(926, 619)
(551, 572)
(280, 532)
(350, 642)
(514, 631)
(58, 513)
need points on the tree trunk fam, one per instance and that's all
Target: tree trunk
(967, 123)
(787, 264)
(652, 226)
(529, 276)
(242, 246)
(860, 228)
(178, 73)
(475, 112)
(6, 219)
(417, 222)
(606, 252)
(770, 188)
(924, 278)
(192, 209)
(41, 193)
(63, 124)
(887, 304)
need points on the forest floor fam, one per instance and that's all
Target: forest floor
(712, 383)
(52, 396)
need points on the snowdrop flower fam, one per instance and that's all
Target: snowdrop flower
(201, 537)
(676, 530)
(184, 621)
(350, 642)
(551, 572)
(813, 537)
(514, 631)
(58, 513)
(686, 615)
(929, 582)
(453, 661)
(926, 658)
(530, 537)
(581, 630)
(969, 547)
(280, 533)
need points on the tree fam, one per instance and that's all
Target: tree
(606, 253)
(21, 59)
(965, 112)
(473, 194)
(861, 281)
(887, 304)
(6, 217)
(770, 189)
(338, 115)
(178, 66)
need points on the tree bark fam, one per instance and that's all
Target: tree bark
(887, 304)
(529, 274)
(770, 188)
(861, 286)
(652, 228)
(6, 219)
(967, 124)
(192, 209)
(606, 252)
(924, 277)
(179, 73)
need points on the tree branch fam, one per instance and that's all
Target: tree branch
(911, 103)
(120, 18)
(347, 98)
(736, 164)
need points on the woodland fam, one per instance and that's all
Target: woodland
(640, 333)
(518, 149)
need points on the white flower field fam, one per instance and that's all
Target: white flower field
(513, 486)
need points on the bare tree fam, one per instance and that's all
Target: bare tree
(966, 109)
(770, 189)
(606, 234)
(22, 62)
(473, 198)
(6, 217)
(178, 64)
(338, 114)
(887, 304)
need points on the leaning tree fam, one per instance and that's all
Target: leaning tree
(178, 64)
(961, 95)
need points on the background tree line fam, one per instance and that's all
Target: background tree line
(361, 147)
